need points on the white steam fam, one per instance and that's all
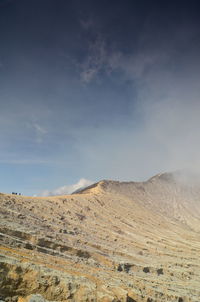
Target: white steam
(68, 189)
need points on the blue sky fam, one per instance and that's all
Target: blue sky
(96, 90)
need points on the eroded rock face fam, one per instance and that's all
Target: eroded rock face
(110, 242)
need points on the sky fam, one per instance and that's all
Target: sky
(93, 90)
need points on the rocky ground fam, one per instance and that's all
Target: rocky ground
(110, 242)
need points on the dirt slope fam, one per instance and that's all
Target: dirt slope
(113, 241)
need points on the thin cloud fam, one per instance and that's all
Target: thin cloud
(94, 61)
(68, 189)
(86, 24)
(40, 132)
(99, 59)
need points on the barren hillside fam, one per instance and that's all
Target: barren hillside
(113, 241)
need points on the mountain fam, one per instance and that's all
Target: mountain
(110, 242)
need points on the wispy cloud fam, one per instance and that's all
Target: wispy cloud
(87, 23)
(101, 59)
(162, 131)
(98, 60)
(67, 189)
(95, 60)
(40, 132)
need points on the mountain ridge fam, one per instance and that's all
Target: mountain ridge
(178, 176)
(113, 241)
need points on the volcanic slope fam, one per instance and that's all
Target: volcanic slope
(113, 241)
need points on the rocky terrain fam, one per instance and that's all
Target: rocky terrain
(111, 242)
